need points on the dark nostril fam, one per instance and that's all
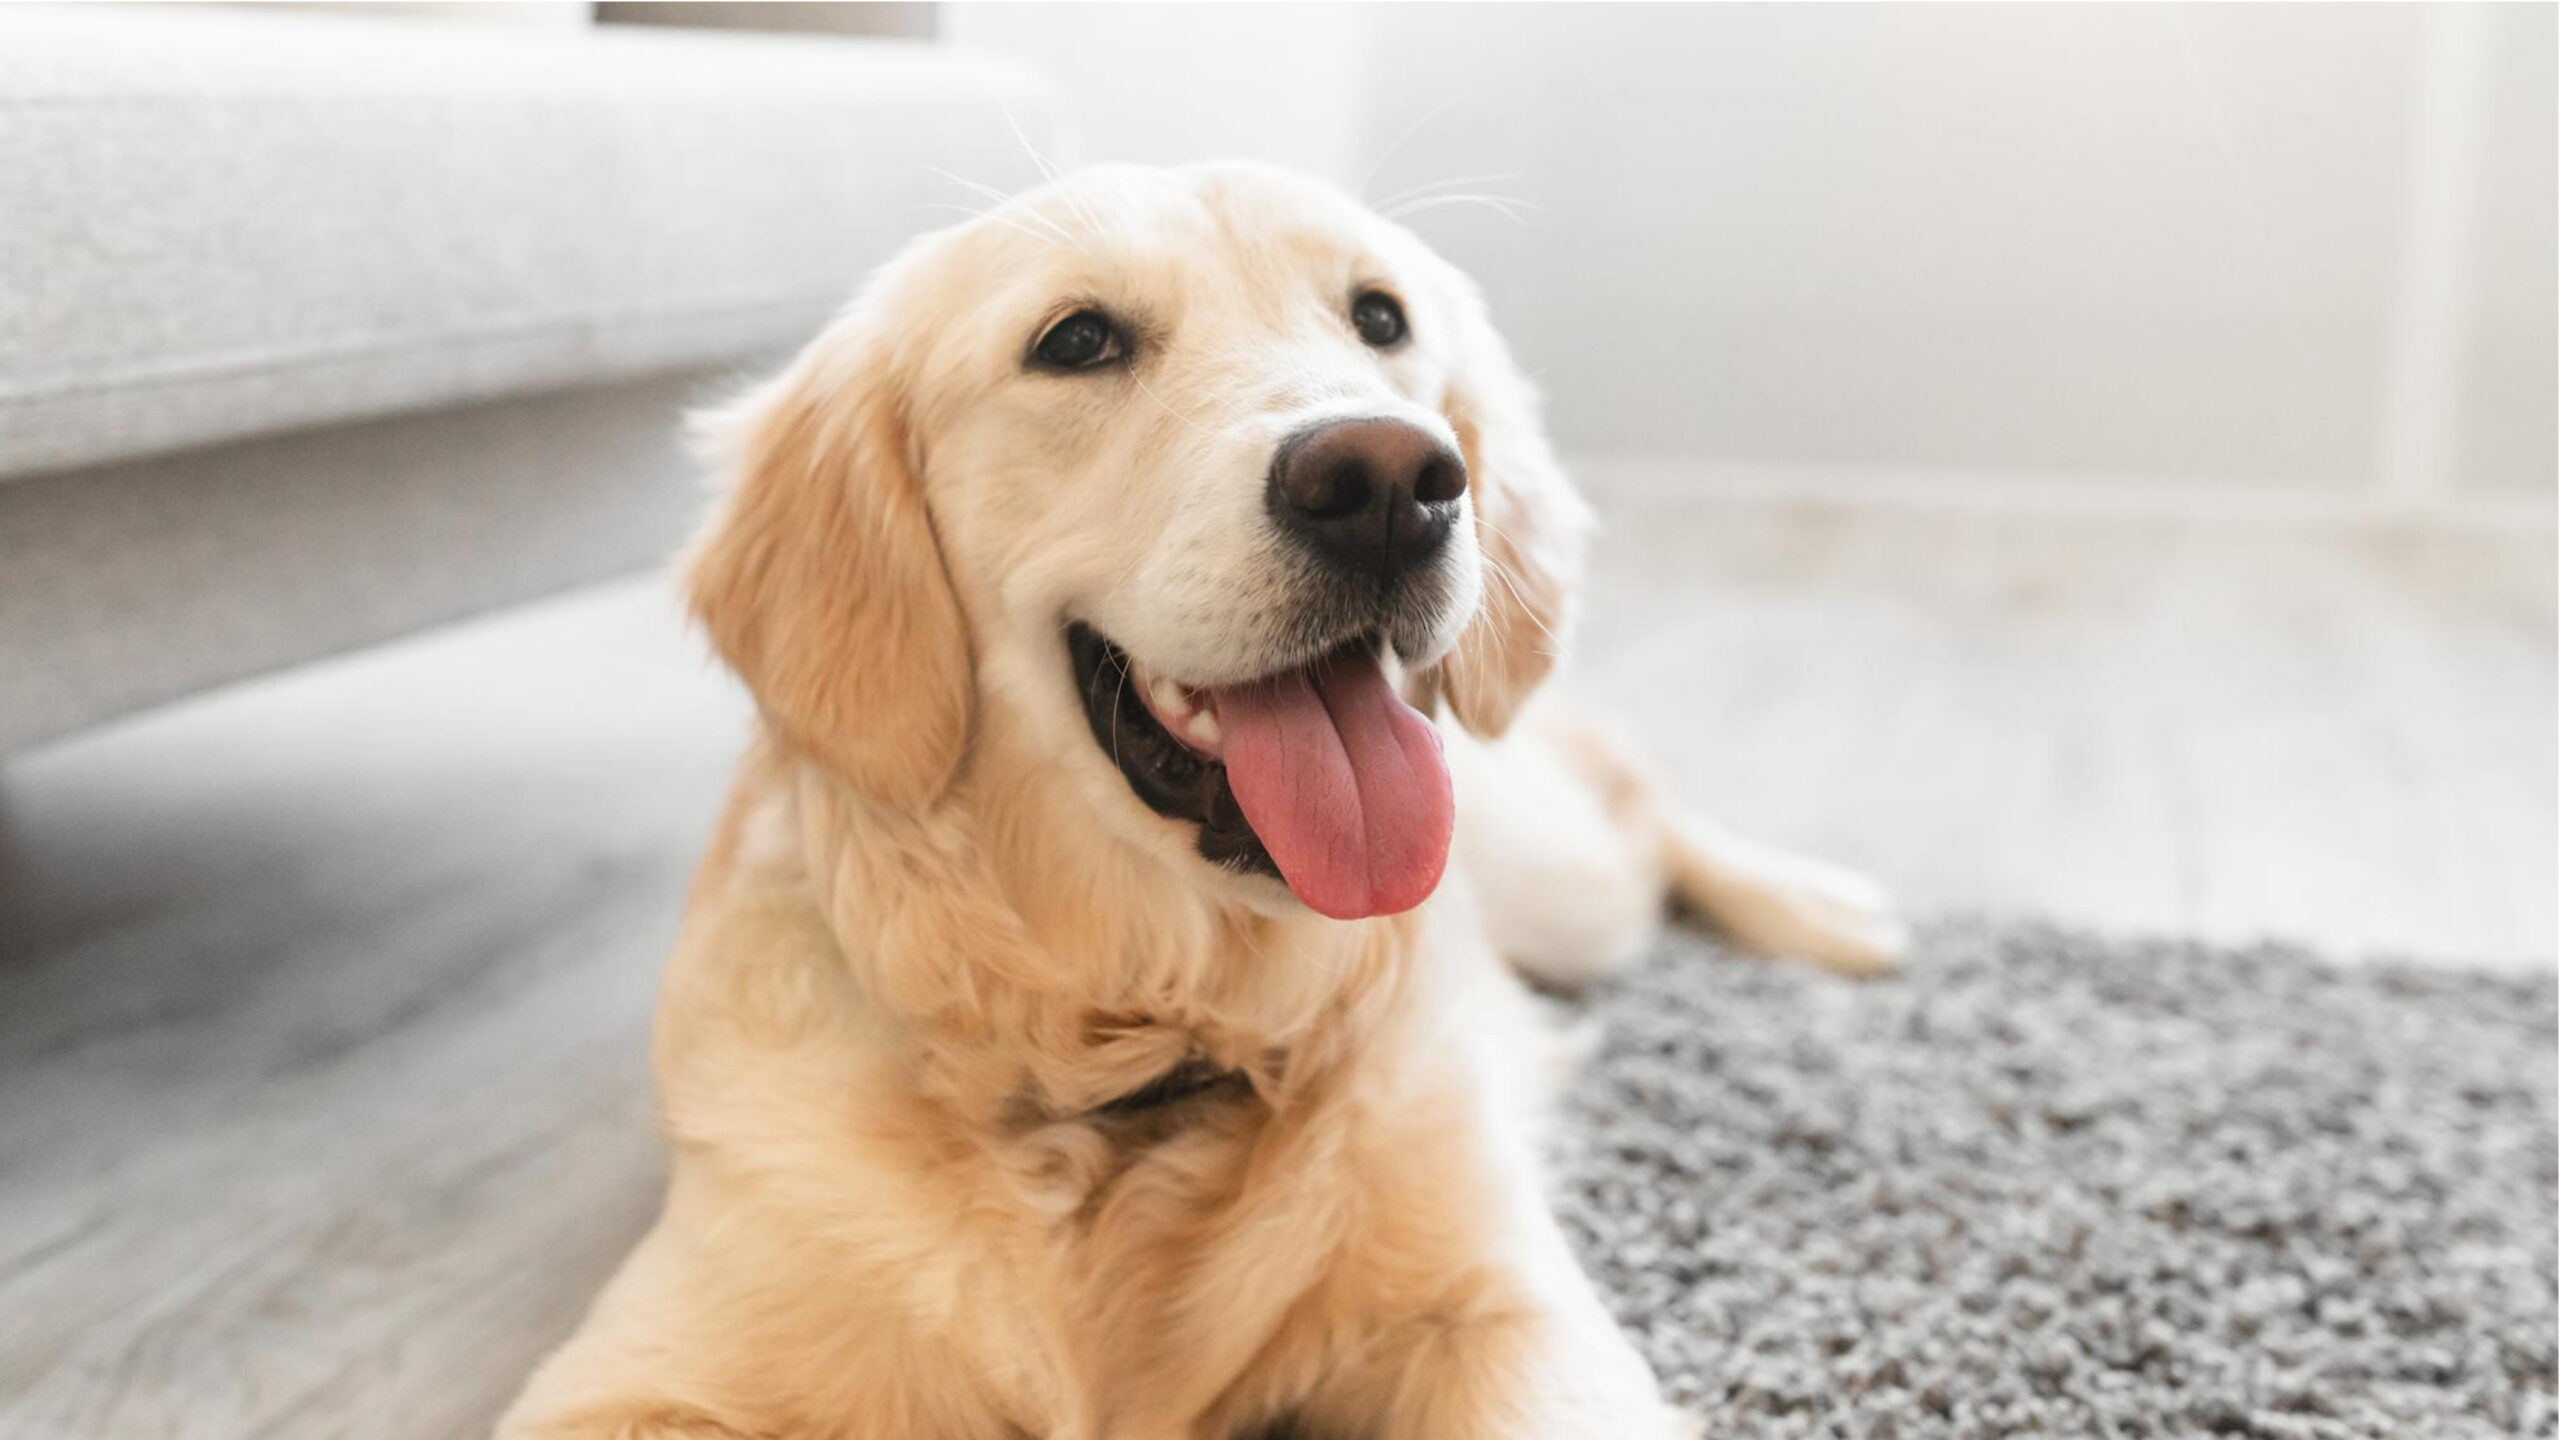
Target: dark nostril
(1336, 491)
(1439, 482)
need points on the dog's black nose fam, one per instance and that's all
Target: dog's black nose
(1373, 497)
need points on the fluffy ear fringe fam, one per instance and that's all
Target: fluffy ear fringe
(1531, 524)
(820, 581)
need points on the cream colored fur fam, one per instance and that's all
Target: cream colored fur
(935, 930)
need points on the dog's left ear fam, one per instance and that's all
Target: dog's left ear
(1531, 523)
(820, 579)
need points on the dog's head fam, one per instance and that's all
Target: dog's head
(1194, 482)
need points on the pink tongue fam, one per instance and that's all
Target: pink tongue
(1345, 784)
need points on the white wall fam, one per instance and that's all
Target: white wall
(2262, 247)
(2510, 367)
(1164, 84)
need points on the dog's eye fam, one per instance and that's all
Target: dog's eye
(1081, 341)
(1378, 318)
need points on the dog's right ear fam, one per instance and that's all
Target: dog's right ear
(820, 579)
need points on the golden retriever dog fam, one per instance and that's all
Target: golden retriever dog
(1098, 1016)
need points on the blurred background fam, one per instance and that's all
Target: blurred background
(2300, 252)
(2084, 462)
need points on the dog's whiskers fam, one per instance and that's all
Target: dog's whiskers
(1052, 171)
(1039, 161)
(1427, 116)
(1168, 405)
(1004, 209)
(990, 216)
(1119, 689)
(1245, 934)
(1511, 582)
(985, 191)
(1506, 206)
(1389, 204)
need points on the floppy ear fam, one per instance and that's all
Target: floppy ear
(1530, 523)
(822, 584)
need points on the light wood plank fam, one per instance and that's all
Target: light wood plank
(2335, 735)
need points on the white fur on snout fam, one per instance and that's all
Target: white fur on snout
(1224, 594)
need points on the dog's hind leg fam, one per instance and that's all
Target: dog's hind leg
(1575, 850)
(1779, 903)
(1566, 889)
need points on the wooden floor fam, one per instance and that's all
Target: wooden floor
(322, 1092)
(2233, 729)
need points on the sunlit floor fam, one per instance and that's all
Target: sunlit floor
(322, 999)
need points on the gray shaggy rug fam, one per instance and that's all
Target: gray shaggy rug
(2045, 1185)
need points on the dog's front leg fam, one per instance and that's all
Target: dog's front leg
(1469, 1317)
(1551, 1370)
(1526, 1350)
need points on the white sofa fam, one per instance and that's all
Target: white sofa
(317, 329)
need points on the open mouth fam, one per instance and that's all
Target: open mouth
(1319, 774)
